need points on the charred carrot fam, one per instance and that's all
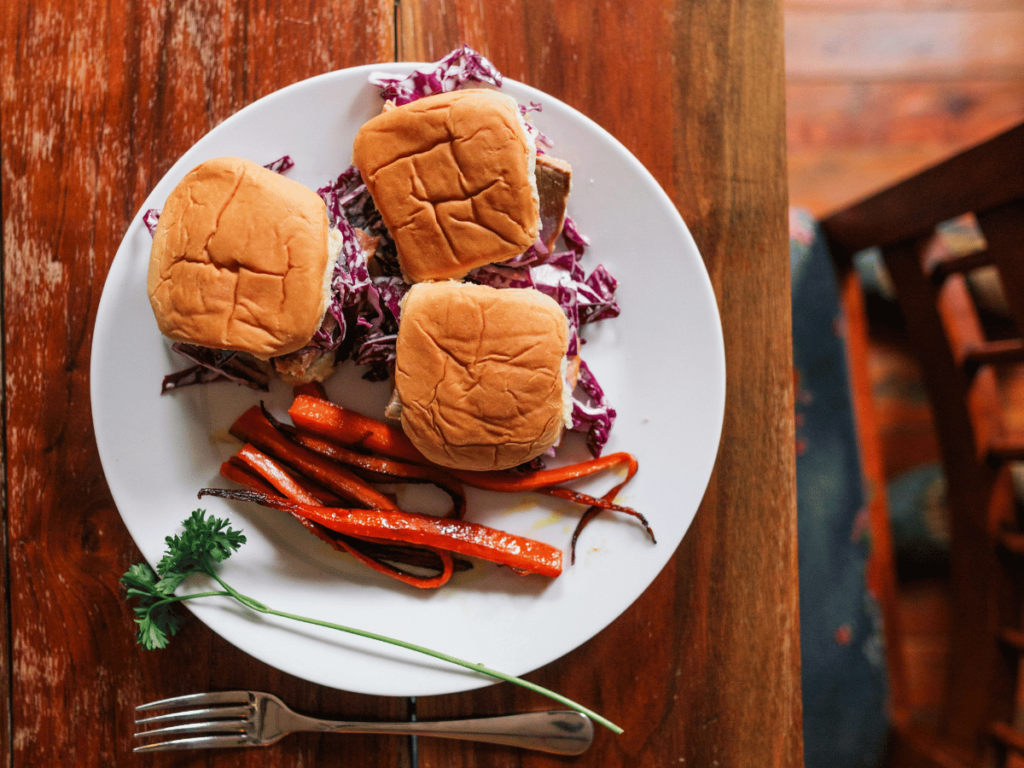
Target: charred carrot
(253, 427)
(284, 483)
(592, 512)
(275, 474)
(375, 468)
(237, 472)
(547, 481)
(509, 482)
(458, 536)
(347, 427)
(389, 470)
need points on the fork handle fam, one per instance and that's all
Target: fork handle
(561, 732)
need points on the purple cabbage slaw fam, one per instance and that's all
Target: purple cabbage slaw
(362, 321)
(461, 66)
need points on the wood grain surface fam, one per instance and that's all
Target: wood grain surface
(715, 639)
(97, 102)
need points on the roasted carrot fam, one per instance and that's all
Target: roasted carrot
(284, 483)
(275, 474)
(253, 427)
(312, 388)
(342, 425)
(347, 427)
(592, 512)
(238, 472)
(390, 470)
(457, 536)
(509, 482)
(375, 468)
(235, 470)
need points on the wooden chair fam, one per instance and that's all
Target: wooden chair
(959, 365)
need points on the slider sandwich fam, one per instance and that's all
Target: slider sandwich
(455, 179)
(242, 262)
(480, 374)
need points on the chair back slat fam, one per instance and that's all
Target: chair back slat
(1003, 227)
(979, 179)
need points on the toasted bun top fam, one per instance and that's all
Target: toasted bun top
(452, 177)
(479, 374)
(239, 260)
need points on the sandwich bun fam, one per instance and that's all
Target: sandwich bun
(453, 176)
(480, 374)
(241, 260)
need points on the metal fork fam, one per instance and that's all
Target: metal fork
(253, 719)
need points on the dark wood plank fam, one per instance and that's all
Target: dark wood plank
(704, 668)
(98, 101)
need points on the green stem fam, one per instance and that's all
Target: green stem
(261, 608)
(181, 598)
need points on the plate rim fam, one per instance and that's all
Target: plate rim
(714, 330)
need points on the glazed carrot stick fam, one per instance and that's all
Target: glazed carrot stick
(389, 470)
(293, 490)
(238, 472)
(313, 389)
(545, 478)
(593, 512)
(457, 536)
(275, 474)
(334, 422)
(253, 427)
(378, 469)
(350, 428)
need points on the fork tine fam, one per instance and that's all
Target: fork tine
(192, 714)
(201, 742)
(207, 727)
(218, 697)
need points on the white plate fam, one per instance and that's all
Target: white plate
(661, 363)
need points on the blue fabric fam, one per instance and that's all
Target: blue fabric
(920, 521)
(843, 655)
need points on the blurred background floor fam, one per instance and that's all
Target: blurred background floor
(877, 90)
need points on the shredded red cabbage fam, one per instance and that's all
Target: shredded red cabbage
(591, 411)
(214, 365)
(459, 67)
(150, 219)
(282, 164)
(584, 299)
(540, 139)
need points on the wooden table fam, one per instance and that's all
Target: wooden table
(99, 99)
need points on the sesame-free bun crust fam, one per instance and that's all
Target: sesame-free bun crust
(239, 260)
(479, 374)
(452, 177)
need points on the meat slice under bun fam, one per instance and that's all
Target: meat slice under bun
(480, 374)
(241, 260)
(453, 178)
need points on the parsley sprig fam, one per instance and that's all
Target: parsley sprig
(207, 541)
